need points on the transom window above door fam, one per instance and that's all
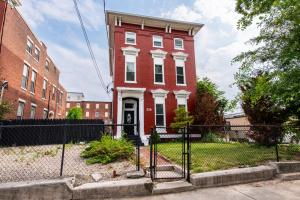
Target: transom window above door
(157, 41)
(129, 105)
(130, 38)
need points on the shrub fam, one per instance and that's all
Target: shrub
(75, 113)
(5, 108)
(211, 137)
(107, 150)
(181, 118)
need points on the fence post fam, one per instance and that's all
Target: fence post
(138, 149)
(189, 152)
(276, 146)
(63, 150)
(150, 143)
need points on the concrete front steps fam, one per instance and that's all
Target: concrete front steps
(287, 171)
(171, 187)
(289, 176)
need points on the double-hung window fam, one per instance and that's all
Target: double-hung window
(45, 113)
(47, 65)
(159, 114)
(158, 71)
(178, 43)
(180, 72)
(44, 89)
(33, 79)
(157, 41)
(130, 71)
(130, 38)
(37, 54)
(20, 111)
(25, 74)
(97, 114)
(29, 46)
(32, 111)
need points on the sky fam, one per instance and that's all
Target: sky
(56, 24)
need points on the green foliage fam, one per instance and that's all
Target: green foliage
(155, 137)
(211, 137)
(5, 108)
(75, 113)
(181, 118)
(210, 103)
(277, 52)
(107, 150)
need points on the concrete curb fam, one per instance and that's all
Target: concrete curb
(233, 176)
(43, 189)
(114, 189)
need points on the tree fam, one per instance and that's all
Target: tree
(4, 109)
(262, 110)
(75, 113)
(276, 52)
(181, 118)
(210, 104)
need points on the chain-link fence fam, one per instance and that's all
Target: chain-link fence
(32, 152)
(202, 148)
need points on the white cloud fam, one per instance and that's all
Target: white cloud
(63, 11)
(218, 42)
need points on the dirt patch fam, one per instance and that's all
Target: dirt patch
(40, 162)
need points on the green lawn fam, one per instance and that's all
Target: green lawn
(216, 156)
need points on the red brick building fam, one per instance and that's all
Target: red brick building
(91, 109)
(152, 64)
(34, 88)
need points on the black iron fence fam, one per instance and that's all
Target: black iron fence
(203, 148)
(31, 151)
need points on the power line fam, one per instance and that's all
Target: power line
(103, 85)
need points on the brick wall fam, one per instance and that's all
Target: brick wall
(104, 107)
(12, 59)
(145, 71)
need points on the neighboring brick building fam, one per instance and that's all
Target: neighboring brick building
(31, 74)
(152, 64)
(91, 109)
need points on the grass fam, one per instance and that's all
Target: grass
(216, 156)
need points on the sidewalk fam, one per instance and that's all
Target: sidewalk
(274, 190)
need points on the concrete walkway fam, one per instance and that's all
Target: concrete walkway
(274, 190)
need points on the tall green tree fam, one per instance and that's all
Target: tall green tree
(276, 52)
(182, 118)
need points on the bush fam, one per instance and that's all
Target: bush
(5, 108)
(107, 150)
(75, 113)
(211, 137)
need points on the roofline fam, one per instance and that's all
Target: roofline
(153, 18)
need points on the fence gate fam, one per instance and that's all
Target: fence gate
(170, 156)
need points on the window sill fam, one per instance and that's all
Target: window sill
(158, 47)
(28, 52)
(44, 99)
(32, 93)
(36, 60)
(130, 82)
(181, 49)
(130, 43)
(157, 83)
(180, 84)
(24, 89)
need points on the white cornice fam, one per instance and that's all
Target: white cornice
(159, 93)
(158, 53)
(179, 55)
(182, 94)
(130, 51)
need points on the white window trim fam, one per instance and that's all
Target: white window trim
(160, 96)
(162, 41)
(180, 56)
(28, 38)
(36, 47)
(27, 63)
(178, 48)
(159, 54)
(182, 96)
(130, 51)
(21, 100)
(126, 38)
(33, 104)
(184, 77)
(125, 78)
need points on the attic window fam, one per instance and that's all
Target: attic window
(130, 38)
(178, 43)
(157, 41)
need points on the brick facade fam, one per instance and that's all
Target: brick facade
(13, 56)
(144, 90)
(92, 109)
